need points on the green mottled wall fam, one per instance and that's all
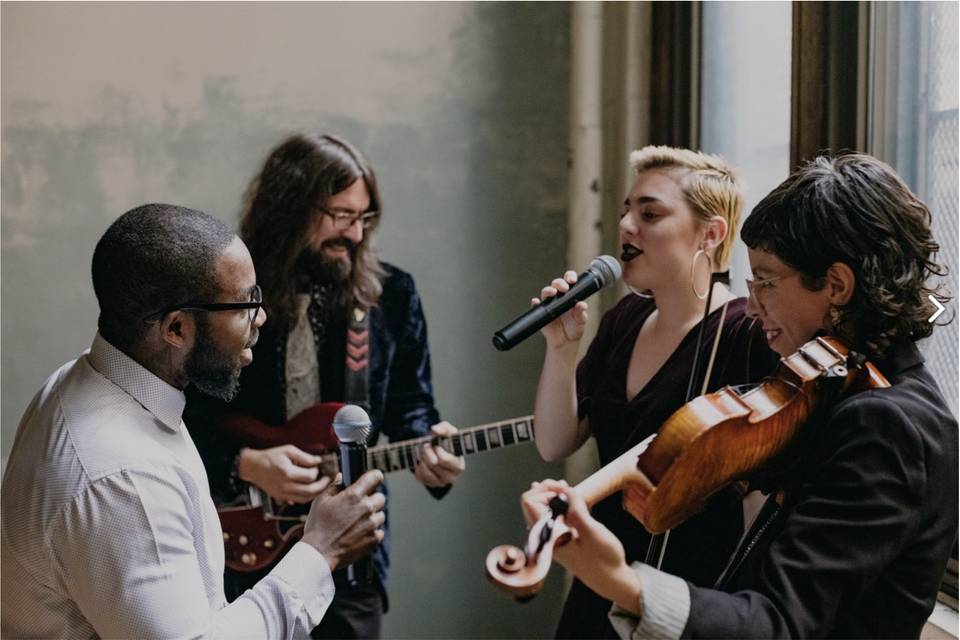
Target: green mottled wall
(461, 107)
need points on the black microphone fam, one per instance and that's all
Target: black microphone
(601, 272)
(352, 426)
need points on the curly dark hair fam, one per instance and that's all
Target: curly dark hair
(299, 175)
(855, 209)
(154, 257)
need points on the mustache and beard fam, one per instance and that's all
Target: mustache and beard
(215, 372)
(212, 370)
(318, 267)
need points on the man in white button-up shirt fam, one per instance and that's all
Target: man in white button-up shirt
(108, 528)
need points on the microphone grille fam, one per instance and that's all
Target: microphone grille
(352, 424)
(607, 268)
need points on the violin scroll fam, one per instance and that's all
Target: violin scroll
(522, 572)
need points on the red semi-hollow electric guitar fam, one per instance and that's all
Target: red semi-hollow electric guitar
(257, 531)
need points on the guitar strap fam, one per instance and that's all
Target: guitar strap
(357, 372)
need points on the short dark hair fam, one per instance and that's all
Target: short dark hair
(280, 203)
(154, 257)
(855, 209)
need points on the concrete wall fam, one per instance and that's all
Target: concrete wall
(461, 107)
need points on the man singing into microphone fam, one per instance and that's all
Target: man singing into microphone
(309, 220)
(108, 530)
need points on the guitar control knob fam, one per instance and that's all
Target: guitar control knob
(226, 536)
(248, 559)
(243, 539)
(268, 543)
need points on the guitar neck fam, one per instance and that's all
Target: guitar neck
(496, 435)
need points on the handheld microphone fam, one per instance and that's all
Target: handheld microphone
(601, 272)
(352, 426)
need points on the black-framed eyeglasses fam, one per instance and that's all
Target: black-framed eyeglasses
(252, 306)
(343, 220)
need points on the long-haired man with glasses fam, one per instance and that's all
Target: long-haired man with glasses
(108, 528)
(309, 219)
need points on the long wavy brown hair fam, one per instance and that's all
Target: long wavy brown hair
(299, 176)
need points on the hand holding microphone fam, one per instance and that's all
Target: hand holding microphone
(355, 515)
(562, 295)
(347, 525)
(568, 328)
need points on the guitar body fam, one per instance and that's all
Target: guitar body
(310, 430)
(254, 537)
(251, 540)
(256, 534)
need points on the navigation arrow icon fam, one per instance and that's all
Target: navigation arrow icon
(940, 308)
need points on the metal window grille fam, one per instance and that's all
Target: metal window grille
(938, 173)
(914, 121)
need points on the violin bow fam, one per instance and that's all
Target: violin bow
(657, 547)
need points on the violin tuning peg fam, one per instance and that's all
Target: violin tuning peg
(856, 360)
(559, 505)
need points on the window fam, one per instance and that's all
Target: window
(745, 93)
(912, 124)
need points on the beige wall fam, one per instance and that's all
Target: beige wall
(461, 107)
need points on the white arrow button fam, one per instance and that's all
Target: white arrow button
(940, 308)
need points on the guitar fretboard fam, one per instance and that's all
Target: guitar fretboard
(406, 454)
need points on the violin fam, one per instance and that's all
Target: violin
(714, 440)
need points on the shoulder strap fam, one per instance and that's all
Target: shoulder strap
(357, 372)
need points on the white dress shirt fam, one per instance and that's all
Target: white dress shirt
(108, 528)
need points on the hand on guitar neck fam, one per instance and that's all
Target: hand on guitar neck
(438, 467)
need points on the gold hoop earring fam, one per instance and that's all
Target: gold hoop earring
(693, 269)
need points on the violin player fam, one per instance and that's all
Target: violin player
(856, 533)
(676, 231)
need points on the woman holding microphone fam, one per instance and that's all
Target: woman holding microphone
(676, 234)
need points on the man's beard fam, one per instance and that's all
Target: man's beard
(318, 266)
(209, 369)
(335, 272)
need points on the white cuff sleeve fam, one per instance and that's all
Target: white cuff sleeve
(308, 573)
(665, 602)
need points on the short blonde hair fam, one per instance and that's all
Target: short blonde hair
(708, 183)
